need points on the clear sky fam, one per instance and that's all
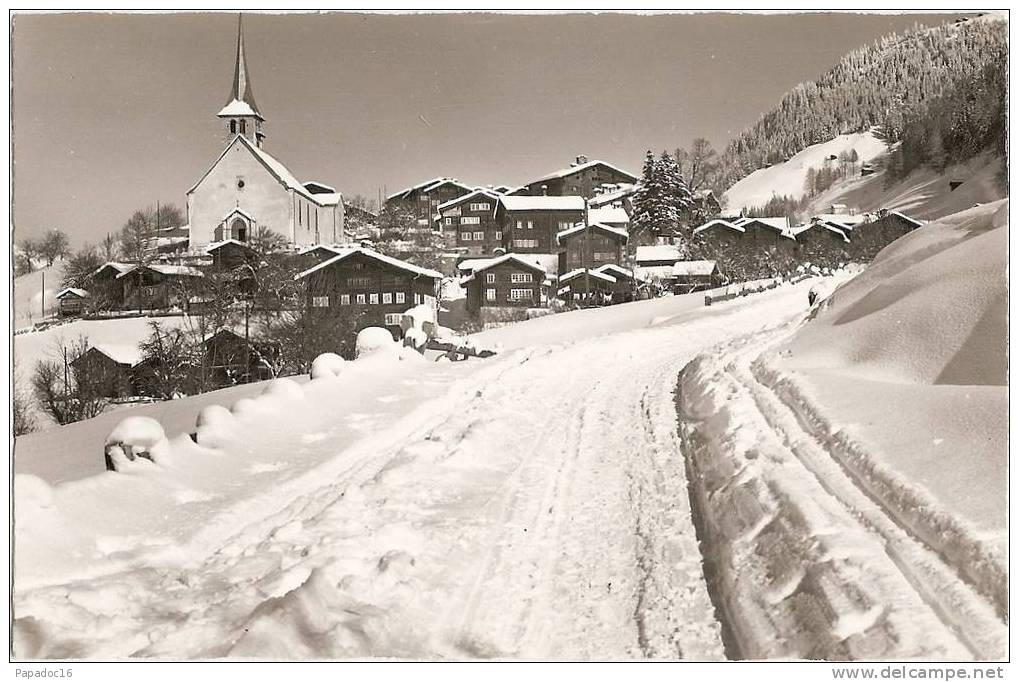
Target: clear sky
(116, 112)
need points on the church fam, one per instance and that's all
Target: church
(247, 189)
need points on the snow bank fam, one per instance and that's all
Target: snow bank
(136, 438)
(371, 340)
(326, 366)
(930, 309)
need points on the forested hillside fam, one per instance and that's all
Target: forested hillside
(892, 83)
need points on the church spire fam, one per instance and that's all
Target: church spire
(240, 109)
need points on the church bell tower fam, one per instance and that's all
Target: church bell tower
(241, 114)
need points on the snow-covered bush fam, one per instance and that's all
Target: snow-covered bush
(371, 340)
(326, 366)
(214, 426)
(134, 438)
(286, 389)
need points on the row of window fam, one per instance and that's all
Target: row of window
(515, 277)
(577, 255)
(515, 294)
(525, 243)
(479, 236)
(386, 298)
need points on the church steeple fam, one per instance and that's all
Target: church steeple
(241, 113)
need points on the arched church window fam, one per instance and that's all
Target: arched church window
(233, 126)
(243, 128)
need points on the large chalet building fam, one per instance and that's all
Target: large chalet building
(363, 284)
(469, 223)
(582, 178)
(505, 281)
(423, 200)
(530, 223)
(588, 246)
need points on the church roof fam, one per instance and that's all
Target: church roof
(242, 100)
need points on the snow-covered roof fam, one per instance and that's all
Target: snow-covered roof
(348, 251)
(126, 353)
(615, 270)
(236, 107)
(780, 223)
(837, 230)
(608, 215)
(647, 254)
(328, 198)
(693, 267)
(214, 246)
(80, 293)
(607, 198)
(165, 269)
(580, 227)
(316, 187)
(604, 276)
(119, 267)
(719, 222)
(542, 203)
(564, 172)
(428, 186)
(487, 193)
(903, 216)
(648, 271)
(482, 264)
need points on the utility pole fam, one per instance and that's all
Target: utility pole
(43, 311)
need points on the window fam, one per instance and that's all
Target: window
(393, 319)
(344, 299)
(387, 298)
(565, 225)
(530, 224)
(470, 220)
(448, 221)
(358, 282)
(498, 235)
(521, 294)
(490, 278)
(361, 299)
(521, 277)
(240, 183)
(423, 197)
(601, 256)
(520, 224)
(417, 299)
(479, 236)
(233, 126)
(489, 294)
(525, 243)
(465, 236)
(244, 128)
(320, 301)
(373, 299)
(401, 297)
(480, 207)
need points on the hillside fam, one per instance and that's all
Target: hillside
(788, 178)
(28, 294)
(877, 85)
(924, 194)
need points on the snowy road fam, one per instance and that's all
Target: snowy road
(538, 510)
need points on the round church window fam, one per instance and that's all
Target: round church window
(240, 184)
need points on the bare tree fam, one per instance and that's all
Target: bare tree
(109, 247)
(63, 394)
(80, 266)
(53, 245)
(699, 166)
(170, 362)
(23, 421)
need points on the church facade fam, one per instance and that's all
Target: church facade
(247, 189)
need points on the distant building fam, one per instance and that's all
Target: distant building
(582, 178)
(247, 189)
(695, 275)
(71, 301)
(231, 359)
(423, 200)
(108, 371)
(158, 285)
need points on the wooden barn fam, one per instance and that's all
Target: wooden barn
(230, 254)
(230, 359)
(375, 288)
(423, 200)
(867, 238)
(586, 287)
(505, 281)
(107, 370)
(695, 275)
(159, 285)
(590, 246)
(71, 301)
(625, 287)
(584, 178)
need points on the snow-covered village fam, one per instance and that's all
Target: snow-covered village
(483, 336)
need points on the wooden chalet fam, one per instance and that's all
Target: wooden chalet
(158, 285)
(231, 359)
(505, 281)
(108, 370)
(529, 224)
(695, 275)
(582, 178)
(869, 237)
(230, 253)
(364, 284)
(586, 287)
(588, 246)
(470, 225)
(424, 199)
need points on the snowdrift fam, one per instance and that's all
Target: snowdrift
(931, 308)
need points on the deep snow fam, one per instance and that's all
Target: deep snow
(403, 508)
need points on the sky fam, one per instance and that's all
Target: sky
(115, 112)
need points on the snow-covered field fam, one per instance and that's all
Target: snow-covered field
(543, 503)
(851, 472)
